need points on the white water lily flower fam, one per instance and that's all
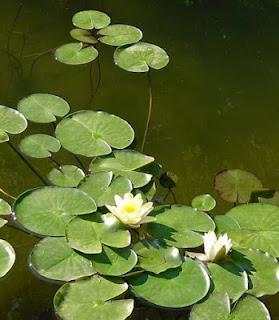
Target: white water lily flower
(131, 210)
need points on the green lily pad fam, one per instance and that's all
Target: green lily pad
(224, 223)
(87, 234)
(66, 176)
(262, 269)
(174, 288)
(92, 134)
(140, 57)
(83, 36)
(180, 226)
(5, 208)
(120, 35)
(204, 202)
(47, 210)
(53, 258)
(7, 257)
(259, 227)
(157, 257)
(91, 19)
(102, 188)
(11, 121)
(39, 145)
(274, 200)
(75, 54)
(2, 222)
(43, 107)
(114, 262)
(236, 185)
(90, 299)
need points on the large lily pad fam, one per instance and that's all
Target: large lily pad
(66, 176)
(224, 223)
(75, 54)
(83, 36)
(39, 145)
(91, 19)
(7, 257)
(47, 210)
(120, 35)
(92, 134)
(5, 208)
(180, 226)
(43, 107)
(90, 299)
(140, 57)
(174, 288)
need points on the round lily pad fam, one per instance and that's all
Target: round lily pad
(174, 288)
(236, 185)
(75, 53)
(120, 35)
(5, 208)
(47, 210)
(91, 299)
(91, 19)
(140, 57)
(39, 145)
(83, 36)
(54, 259)
(224, 223)
(66, 176)
(43, 107)
(92, 134)
(204, 202)
(7, 257)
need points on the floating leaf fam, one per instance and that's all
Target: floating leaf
(47, 210)
(83, 36)
(43, 107)
(2, 222)
(120, 35)
(52, 258)
(274, 200)
(39, 145)
(92, 134)
(66, 176)
(204, 202)
(180, 226)
(140, 57)
(7, 257)
(11, 121)
(236, 185)
(156, 257)
(5, 208)
(91, 299)
(224, 223)
(91, 19)
(174, 288)
(75, 54)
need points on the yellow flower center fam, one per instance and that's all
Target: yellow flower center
(130, 207)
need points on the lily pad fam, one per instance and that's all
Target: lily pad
(43, 107)
(204, 202)
(92, 134)
(7, 257)
(66, 176)
(157, 257)
(53, 258)
(11, 121)
(47, 210)
(91, 19)
(174, 288)
(120, 35)
(2, 222)
(5, 208)
(140, 57)
(75, 54)
(180, 226)
(39, 145)
(236, 185)
(83, 36)
(91, 299)
(274, 200)
(224, 223)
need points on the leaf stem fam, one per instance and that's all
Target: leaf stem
(94, 93)
(7, 194)
(79, 162)
(57, 164)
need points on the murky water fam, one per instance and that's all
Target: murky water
(216, 105)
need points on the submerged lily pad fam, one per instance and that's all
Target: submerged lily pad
(43, 107)
(120, 35)
(47, 210)
(7, 257)
(91, 299)
(204, 202)
(274, 200)
(5, 208)
(236, 185)
(92, 134)
(140, 57)
(91, 19)
(83, 36)
(39, 145)
(66, 176)
(75, 53)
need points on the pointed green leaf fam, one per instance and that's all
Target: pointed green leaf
(91, 19)
(83, 36)
(7, 257)
(66, 176)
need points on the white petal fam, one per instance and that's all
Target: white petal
(209, 240)
(118, 200)
(128, 196)
(138, 200)
(211, 254)
(146, 209)
(200, 256)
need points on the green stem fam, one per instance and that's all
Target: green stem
(57, 164)
(94, 93)
(132, 273)
(7, 194)
(79, 162)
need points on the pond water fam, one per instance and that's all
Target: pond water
(215, 105)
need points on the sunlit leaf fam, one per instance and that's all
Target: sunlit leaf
(204, 202)
(5, 208)
(66, 176)
(83, 36)
(224, 223)
(2, 222)
(91, 19)
(7, 257)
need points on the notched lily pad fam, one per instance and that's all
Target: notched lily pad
(83, 36)
(91, 19)
(7, 257)
(66, 176)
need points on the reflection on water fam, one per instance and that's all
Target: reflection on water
(215, 105)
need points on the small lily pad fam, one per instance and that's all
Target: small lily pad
(43, 107)
(91, 19)
(2, 222)
(66, 176)
(83, 36)
(7, 257)
(140, 57)
(120, 35)
(204, 202)
(5, 208)
(75, 53)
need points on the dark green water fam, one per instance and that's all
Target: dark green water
(216, 105)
